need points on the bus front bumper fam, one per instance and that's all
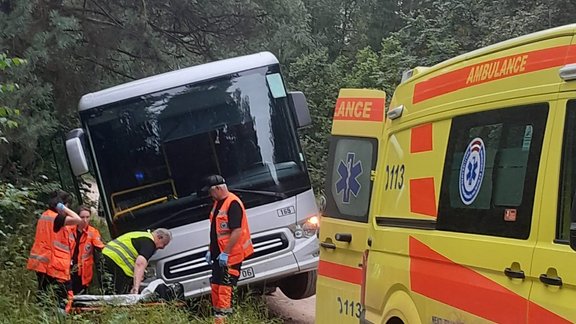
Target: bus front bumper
(301, 256)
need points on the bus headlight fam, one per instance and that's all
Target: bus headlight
(307, 228)
(311, 226)
(150, 271)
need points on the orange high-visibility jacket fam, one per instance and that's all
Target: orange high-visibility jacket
(90, 239)
(243, 247)
(51, 252)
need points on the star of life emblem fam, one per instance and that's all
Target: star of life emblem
(472, 171)
(349, 170)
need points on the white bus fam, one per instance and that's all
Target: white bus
(151, 142)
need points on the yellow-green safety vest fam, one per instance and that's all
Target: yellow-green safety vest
(122, 251)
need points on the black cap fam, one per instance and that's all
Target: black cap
(213, 180)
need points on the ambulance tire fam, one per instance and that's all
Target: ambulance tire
(299, 286)
(394, 320)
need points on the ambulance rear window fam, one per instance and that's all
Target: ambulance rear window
(490, 171)
(348, 182)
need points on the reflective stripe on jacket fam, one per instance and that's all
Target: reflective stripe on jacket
(243, 247)
(122, 251)
(90, 239)
(51, 252)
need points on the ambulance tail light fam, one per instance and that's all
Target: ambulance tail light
(568, 72)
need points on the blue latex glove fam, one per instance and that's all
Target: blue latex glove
(223, 259)
(60, 206)
(208, 258)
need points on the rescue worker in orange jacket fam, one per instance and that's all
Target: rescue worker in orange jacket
(88, 242)
(230, 244)
(50, 255)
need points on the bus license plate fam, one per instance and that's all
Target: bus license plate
(246, 273)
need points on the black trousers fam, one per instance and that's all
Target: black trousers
(76, 283)
(227, 276)
(114, 280)
(49, 287)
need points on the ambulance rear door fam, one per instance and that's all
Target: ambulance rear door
(357, 127)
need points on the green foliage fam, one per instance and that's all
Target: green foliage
(18, 208)
(6, 113)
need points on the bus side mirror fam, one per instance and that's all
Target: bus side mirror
(300, 108)
(75, 152)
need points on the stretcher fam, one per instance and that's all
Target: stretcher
(155, 293)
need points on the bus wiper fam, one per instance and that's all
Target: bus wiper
(260, 192)
(178, 213)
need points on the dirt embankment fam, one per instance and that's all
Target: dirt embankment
(292, 311)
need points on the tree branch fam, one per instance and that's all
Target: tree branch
(111, 69)
(107, 13)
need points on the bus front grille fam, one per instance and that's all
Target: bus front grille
(195, 263)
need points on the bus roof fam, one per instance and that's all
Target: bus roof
(176, 78)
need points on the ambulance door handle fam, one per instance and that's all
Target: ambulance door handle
(514, 274)
(343, 237)
(551, 281)
(328, 245)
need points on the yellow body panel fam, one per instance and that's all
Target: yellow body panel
(422, 266)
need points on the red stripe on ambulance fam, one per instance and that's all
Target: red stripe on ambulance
(421, 138)
(439, 278)
(423, 197)
(360, 109)
(487, 71)
(340, 272)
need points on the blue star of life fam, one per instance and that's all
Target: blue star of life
(472, 170)
(349, 171)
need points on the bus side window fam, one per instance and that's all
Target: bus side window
(567, 174)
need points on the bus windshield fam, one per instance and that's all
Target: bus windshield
(153, 152)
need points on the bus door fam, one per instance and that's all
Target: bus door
(357, 126)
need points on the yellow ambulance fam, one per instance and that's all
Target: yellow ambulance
(470, 214)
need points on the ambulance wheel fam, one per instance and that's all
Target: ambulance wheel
(394, 320)
(300, 286)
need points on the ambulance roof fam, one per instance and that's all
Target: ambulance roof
(511, 43)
